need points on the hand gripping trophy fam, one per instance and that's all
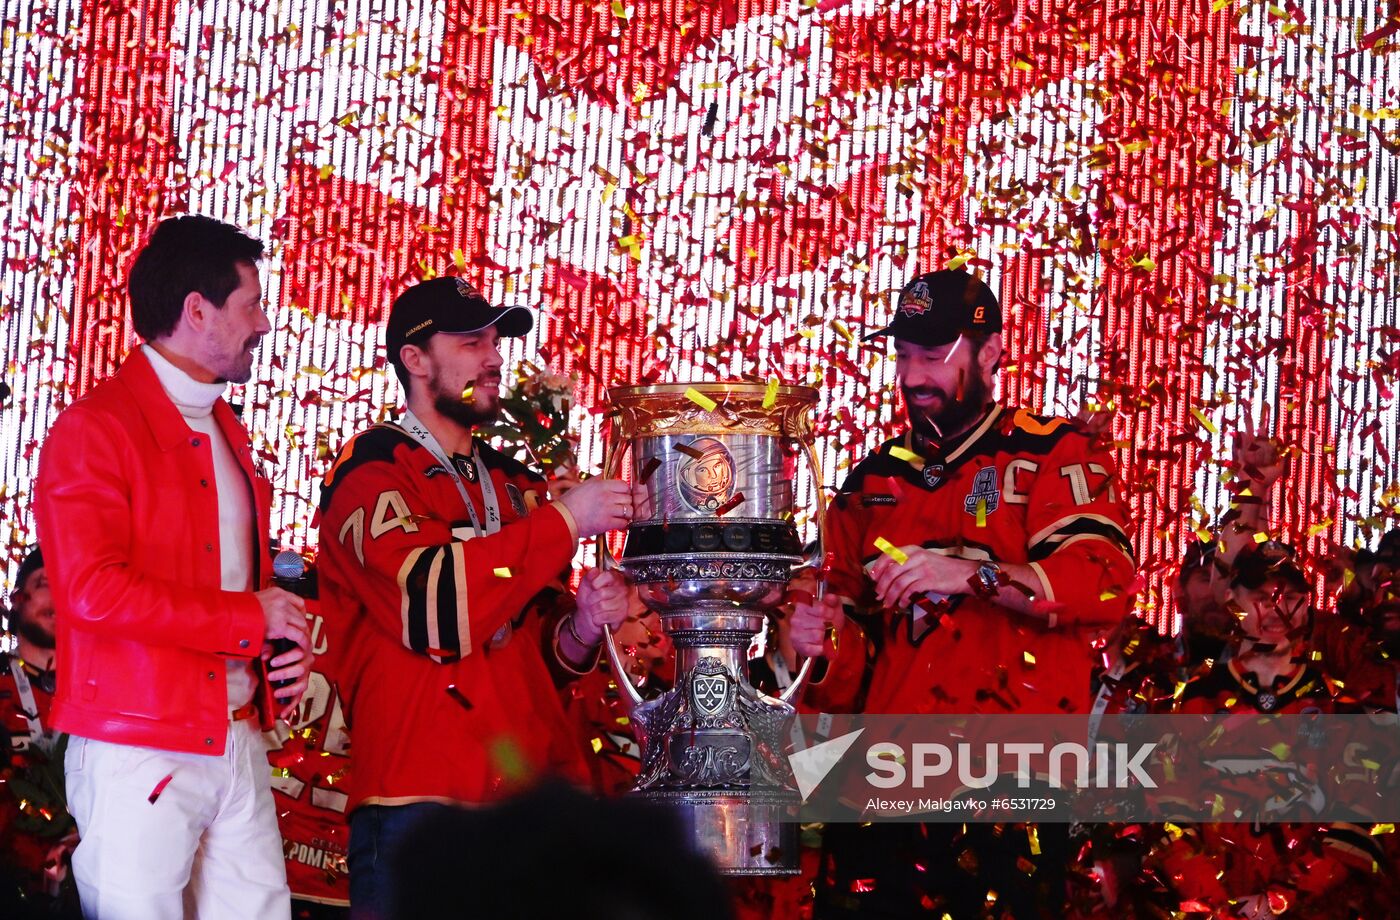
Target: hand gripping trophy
(711, 553)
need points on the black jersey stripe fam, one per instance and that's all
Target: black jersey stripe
(414, 586)
(445, 593)
(1080, 526)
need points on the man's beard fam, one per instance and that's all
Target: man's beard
(31, 631)
(958, 411)
(232, 369)
(466, 412)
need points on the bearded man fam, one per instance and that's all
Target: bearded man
(440, 567)
(980, 550)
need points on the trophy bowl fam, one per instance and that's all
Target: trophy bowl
(711, 551)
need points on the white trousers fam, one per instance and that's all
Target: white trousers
(207, 847)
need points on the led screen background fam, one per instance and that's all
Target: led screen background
(1188, 209)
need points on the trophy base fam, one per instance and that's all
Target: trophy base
(743, 834)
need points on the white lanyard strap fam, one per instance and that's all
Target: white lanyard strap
(420, 433)
(781, 675)
(1107, 685)
(26, 701)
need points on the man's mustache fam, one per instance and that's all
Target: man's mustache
(922, 392)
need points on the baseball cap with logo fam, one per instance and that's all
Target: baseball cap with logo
(447, 304)
(937, 307)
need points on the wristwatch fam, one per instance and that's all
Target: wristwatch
(989, 576)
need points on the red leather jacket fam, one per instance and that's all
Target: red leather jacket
(128, 518)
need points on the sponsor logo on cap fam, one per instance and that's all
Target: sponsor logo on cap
(915, 300)
(464, 287)
(980, 316)
(418, 328)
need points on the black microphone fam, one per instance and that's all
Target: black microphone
(288, 569)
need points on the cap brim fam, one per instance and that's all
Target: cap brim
(509, 321)
(904, 336)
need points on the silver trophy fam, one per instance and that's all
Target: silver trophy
(712, 553)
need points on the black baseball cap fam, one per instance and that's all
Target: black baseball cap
(31, 564)
(1256, 565)
(937, 307)
(1388, 550)
(447, 304)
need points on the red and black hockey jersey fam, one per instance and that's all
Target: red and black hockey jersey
(310, 761)
(20, 723)
(435, 642)
(1018, 488)
(1227, 688)
(32, 816)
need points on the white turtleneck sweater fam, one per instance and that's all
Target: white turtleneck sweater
(196, 401)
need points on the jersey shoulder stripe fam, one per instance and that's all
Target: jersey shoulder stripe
(1015, 432)
(374, 444)
(881, 464)
(1026, 432)
(513, 468)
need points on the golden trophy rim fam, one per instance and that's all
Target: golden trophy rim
(711, 388)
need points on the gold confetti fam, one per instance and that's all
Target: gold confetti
(501, 572)
(700, 399)
(889, 549)
(770, 395)
(908, 456)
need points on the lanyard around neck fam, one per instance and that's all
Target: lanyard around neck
(420, 433)
(27, 702)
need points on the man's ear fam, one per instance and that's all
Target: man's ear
(989, 355)
(194, 311)
(414, 359)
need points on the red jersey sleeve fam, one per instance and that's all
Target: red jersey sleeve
(1077, 530)
(450, 594)
(836, 687)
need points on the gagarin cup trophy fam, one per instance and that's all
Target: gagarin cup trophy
(711, 553)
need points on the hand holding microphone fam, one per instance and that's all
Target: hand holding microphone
(285, 615)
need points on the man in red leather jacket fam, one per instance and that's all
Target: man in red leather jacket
(152, 516)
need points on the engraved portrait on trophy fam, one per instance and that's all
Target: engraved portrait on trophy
(706, 479)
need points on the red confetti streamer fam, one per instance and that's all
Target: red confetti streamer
(730, 505)
(160, 787)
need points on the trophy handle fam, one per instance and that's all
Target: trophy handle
(798, 683)
(620, 672)
(812, 561)
(612, 462)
